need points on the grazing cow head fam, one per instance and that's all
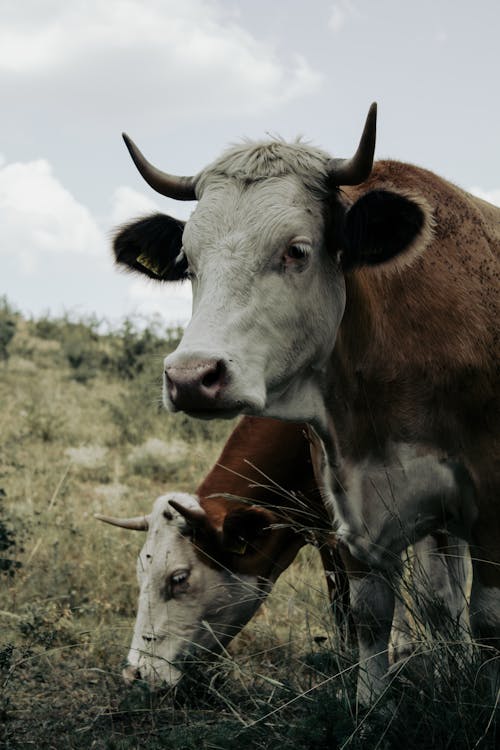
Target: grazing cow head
(201, 579)
(266, 249)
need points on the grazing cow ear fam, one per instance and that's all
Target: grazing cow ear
(243, 526)
(152, 246)
(384, 225)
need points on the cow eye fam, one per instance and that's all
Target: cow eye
(296, 254)
(179, 581)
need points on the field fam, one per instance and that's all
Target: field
(82, 432)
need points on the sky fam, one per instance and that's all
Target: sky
(186, 79)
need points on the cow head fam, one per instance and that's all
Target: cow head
(201, 579)
(267, 250)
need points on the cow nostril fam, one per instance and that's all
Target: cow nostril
(214, 375)
(196, 384)
(149, 638)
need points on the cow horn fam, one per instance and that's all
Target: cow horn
(195, 516)
(356, 170)
(180, 188)
(138, 523)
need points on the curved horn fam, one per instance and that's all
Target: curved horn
(356, 170)
(195, 516)
(180, 188)
(138, 523)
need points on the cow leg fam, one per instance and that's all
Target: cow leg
(337, 583)
(485, 613)
(372, 606)
(449, 566)
(434, 594)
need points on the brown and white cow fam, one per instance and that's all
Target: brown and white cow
(210, 559)
(362, 299)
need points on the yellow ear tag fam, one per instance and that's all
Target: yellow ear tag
(149, 264)
(239, 547)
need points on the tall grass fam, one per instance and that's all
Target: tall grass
(81, 431)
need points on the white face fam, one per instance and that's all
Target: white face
(183, 602)
(267, 297)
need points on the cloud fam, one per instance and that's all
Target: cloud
(40, 218)
(128, 204)
(441, 37)
(172, 301)
(341, 13)
(337, 18)
(193, 50)
(492, 196)
(56, 255)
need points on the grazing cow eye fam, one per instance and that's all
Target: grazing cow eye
(179, 581)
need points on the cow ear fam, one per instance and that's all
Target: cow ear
(243, 526)
(384, 225)
(152, 246)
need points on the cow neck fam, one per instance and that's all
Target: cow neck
(380, 378)
(348, 375)
(266, 463)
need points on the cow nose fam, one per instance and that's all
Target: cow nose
(196, 385)
(130, 674)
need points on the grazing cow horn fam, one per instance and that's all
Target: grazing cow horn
(138, 523)
(195, 516)
(356, 170)
(180, 188)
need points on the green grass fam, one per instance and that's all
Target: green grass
(81, 432)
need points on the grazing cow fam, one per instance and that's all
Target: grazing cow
(210, 560)
(362, 299)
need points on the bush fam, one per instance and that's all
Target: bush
(45, 419)
(80, 344)
(8, 323)
(140, 348)
(8, 565)
(158, 459)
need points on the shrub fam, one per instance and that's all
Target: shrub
(8, 322)
(80, 344)
(158, 459)
(45, 419)
(8, 564)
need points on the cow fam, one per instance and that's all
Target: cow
(210, 559)
(361, 298)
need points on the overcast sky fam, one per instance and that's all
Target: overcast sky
(186, 77)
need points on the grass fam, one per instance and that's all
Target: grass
(81, 432)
